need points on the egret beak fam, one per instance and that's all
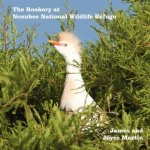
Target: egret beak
(56, 43)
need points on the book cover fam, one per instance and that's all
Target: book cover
(74, 74)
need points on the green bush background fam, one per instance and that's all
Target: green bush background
(116, 70)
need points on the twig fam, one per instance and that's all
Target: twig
(13, 99)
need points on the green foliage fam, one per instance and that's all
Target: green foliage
(116, 73)
(68, 24)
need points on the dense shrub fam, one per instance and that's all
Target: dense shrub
(116, 73)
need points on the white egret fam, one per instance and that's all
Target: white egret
(74, 95)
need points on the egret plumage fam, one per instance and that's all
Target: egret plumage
(75, 96)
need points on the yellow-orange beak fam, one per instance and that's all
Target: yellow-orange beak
(53, 42)
(56, 43)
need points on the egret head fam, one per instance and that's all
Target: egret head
(68, 45)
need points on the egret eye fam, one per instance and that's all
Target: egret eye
(65, 44)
